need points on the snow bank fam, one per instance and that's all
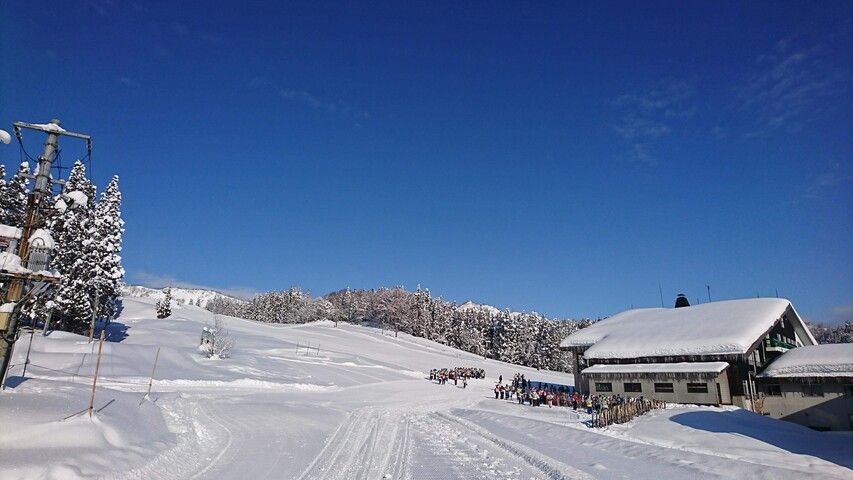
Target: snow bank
(718, 328)
(9, 231)
(831, 360)
(11, 263)
(42, 238)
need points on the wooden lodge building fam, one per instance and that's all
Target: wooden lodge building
(703, 354)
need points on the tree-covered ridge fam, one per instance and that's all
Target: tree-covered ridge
(522, 338)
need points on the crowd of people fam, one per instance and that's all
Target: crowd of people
(523, 391)
(605, 409)
(442, 375)
(597, 403)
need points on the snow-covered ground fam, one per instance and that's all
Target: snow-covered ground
(353, 405)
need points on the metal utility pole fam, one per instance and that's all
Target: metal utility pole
(709, 292)
(33, 220)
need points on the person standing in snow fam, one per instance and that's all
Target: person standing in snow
(465, 382)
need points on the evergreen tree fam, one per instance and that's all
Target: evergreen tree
(13, 199)
(164, 306)
(109, 228)
(78, 182)
(75, 259)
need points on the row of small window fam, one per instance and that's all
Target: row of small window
(659, 387)
(808, 390)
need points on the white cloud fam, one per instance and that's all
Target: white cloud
(648, 116)
(783, 89)
(836, 175)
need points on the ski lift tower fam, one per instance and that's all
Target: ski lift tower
(23, 279)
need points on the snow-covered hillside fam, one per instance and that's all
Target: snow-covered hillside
(319, 402)
(186, 296)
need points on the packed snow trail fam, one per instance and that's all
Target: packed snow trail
(354, 404)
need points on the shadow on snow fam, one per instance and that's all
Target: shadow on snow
(834, 447)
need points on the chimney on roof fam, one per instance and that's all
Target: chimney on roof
(681, 301)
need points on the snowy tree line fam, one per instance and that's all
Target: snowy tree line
(522, 338)
(842, 333)
(87, 234)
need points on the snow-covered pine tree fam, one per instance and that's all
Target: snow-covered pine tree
(164, 306)
(78, 182)
(14, 197)
(76, 261)
(109, 228)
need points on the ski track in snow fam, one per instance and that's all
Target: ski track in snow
(368, 444)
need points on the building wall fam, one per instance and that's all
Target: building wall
(679, 394)
(833, 410)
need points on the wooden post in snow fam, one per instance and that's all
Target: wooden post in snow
(29, 347)
(95, 378)
(153, 369)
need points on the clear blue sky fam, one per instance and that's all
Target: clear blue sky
(563, 158)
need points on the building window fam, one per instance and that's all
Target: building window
(812, 390)
(664, 388)
(774, 390)
(697, 388)
(633, 387)
(603, 387)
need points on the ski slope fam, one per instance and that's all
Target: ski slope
(322, 402)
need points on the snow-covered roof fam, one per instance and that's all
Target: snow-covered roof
(9, 231)
(42, 238)
(719, 328)
(830, 360)
(7, 307)
(683, 367)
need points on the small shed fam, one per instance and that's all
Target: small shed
(812, 386)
